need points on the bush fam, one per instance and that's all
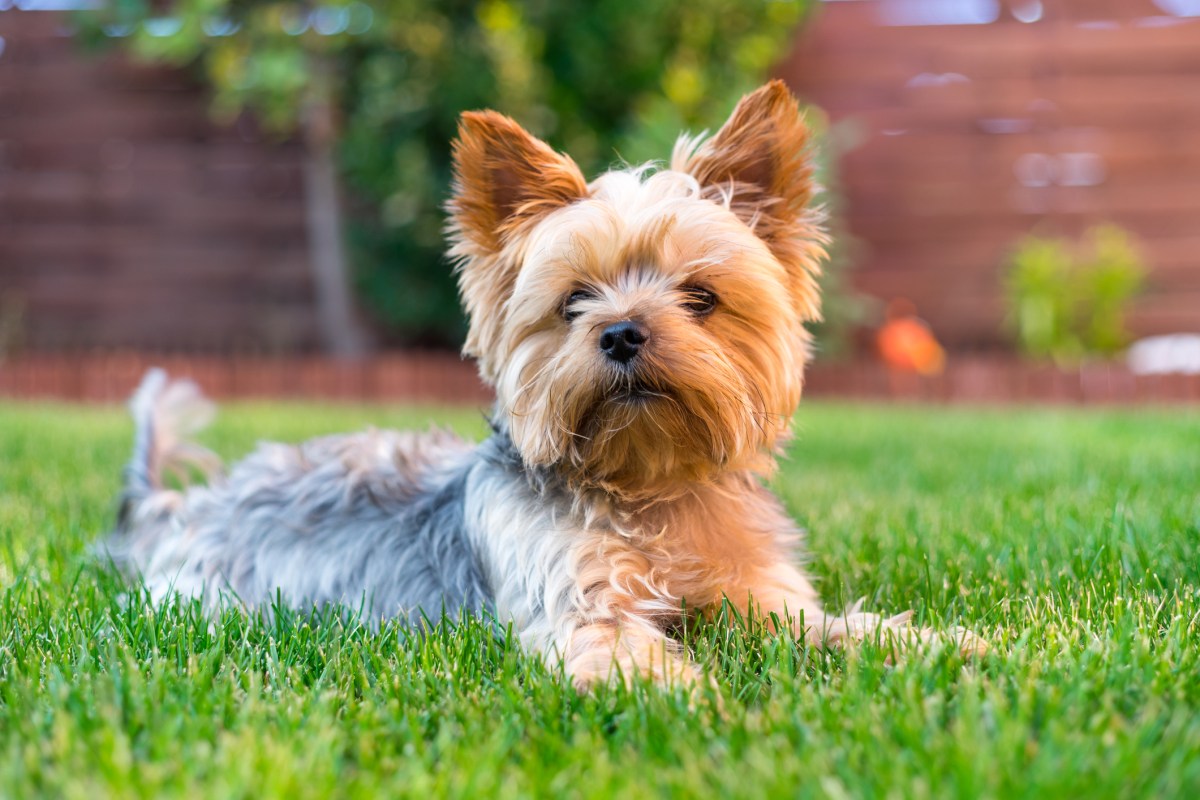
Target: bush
(1068, 301)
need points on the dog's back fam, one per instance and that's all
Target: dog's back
(372, 520)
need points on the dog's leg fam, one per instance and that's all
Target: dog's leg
(783, 593)
(615, 627)
(623, 648)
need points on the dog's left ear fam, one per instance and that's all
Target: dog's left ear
(504, 177)
(760, 156)
(759, 163)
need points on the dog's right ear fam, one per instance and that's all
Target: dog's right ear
(504, 178)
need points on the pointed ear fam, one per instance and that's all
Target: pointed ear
(503, 178)
(758, 161)
(758, 164)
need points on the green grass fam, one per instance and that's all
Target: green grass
(1070, 540)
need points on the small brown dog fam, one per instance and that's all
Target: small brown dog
(645, 337)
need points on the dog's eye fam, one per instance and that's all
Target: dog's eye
(568, 312)
(699, 301)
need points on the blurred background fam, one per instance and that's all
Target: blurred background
(251, 191)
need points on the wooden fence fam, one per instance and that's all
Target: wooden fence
(128, 218)
(1046, 115)
(443, 378)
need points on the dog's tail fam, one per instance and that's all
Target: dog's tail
(166, 413)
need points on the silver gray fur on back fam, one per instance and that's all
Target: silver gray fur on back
(372, 521)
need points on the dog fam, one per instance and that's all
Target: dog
(645, 337)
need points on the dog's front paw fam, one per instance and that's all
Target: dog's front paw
(898, 633)
(608, 654)
(968, 643)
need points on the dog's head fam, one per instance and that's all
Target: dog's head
(645, 329)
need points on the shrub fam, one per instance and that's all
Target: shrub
(1068, 301)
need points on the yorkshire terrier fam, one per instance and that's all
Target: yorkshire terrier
(645, 337)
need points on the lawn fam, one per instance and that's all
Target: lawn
(1070, 540)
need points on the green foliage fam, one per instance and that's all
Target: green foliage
(1070, 540)
(843, 308)
(605, 80)
(1068, 302)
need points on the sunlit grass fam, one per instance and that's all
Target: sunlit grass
(1071, 541)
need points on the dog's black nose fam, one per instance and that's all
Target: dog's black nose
(621, 341)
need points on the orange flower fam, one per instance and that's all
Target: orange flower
(906, 343)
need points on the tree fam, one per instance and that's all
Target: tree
(383, 82)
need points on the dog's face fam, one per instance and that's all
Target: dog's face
(645, 330)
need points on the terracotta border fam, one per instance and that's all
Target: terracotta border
(444, 378)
